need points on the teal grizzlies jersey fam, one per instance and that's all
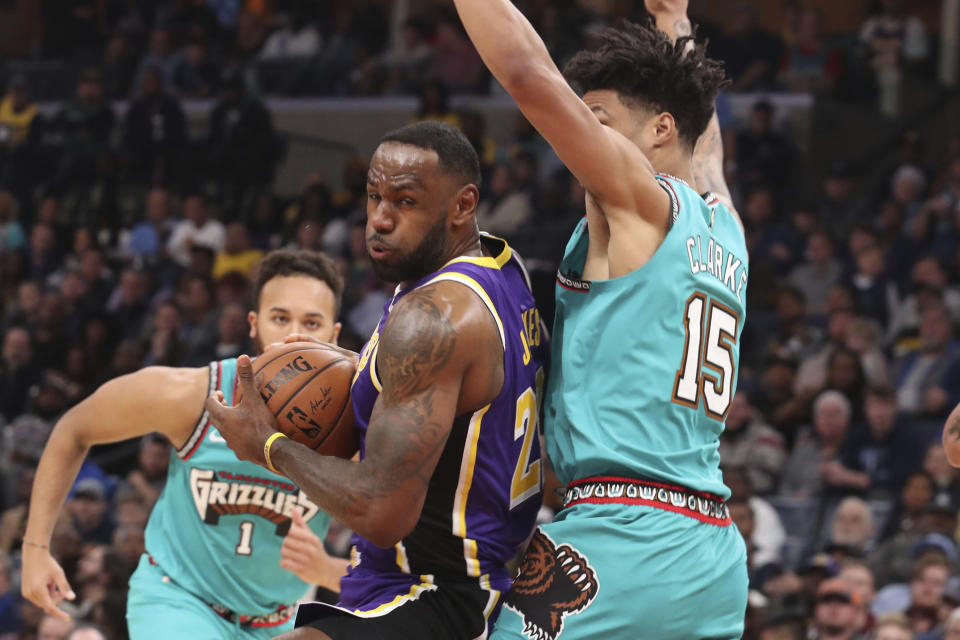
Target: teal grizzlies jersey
(644, 366)
(217, 528)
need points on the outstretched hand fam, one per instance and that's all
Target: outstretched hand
(303, 555)
(246, 425)
(43, 582)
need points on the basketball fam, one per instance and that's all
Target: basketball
(306, 386)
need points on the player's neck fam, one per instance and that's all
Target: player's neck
(676, 162)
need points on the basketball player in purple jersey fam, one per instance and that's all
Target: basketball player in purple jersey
(445, 396)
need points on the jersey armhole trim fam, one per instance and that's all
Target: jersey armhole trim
(200, 428)
(674, 200)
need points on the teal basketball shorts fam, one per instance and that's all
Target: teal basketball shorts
(630, 560)
(159, 609)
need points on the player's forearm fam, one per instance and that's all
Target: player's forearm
(708, 163)
(951, 437)
(56, 472)
(505, 39)
(353, 493)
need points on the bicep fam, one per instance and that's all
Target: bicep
(611, 167)
(421, 360)
(155, 399)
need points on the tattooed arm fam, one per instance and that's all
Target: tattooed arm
(951, 437)
(435, 338)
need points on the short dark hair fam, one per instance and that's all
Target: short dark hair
(646, 69)
(456, 156)
(287, 262)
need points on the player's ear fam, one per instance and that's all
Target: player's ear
(665, 128)
(336, 333)
(466, 204)
(252, 319)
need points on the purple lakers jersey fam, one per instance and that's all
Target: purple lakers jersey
(484, 495)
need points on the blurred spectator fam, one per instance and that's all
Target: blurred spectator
(875, 294)
(750, 443)
(13, 520)
(17, 372)
(90, 631)
(885, 448)
(195, 76)
(88, 510)
(12, 237)
(749, 53)
(402, 67)
(165, 346)
(120, 62)
(10, 622)
(818, 273)
(298, 38)
(951, 627)
(21, 128)
(840, 205)
(893, 40)
(154, 131)
(197, 228)
(768, 239)
(505, 207)
(244, 151)
(129, 304)
(929, 284)
(835, 612)
(767, 537)
(921, 599)
(148, 238)
(764, 155)
(198, 326)
(810, 64)
(893, 626)
(814, 463)
(52, 628)
(84, 126)
(160, 56)
(237, 255)
(435, 104)
(851, 530)
(72, 29)
(857, 573)
(455, 61)
(920, 374)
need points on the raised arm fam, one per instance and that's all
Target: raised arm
(122, 408)
(431, 341)
(611, 167)
(671, 18)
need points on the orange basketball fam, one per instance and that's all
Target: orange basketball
(306, 386)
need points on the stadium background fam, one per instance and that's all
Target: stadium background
(150, 151)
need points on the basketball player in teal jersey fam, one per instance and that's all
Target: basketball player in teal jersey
(650, 306)
(213, 541)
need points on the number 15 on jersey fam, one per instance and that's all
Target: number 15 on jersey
(708, 367)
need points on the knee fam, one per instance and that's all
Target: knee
(303, 634)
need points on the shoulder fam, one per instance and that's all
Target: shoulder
(437, 310)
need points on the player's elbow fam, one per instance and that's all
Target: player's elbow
(387, 527)
(527, 81)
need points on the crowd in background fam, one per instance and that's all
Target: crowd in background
(128, 242)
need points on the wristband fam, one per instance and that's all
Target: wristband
(266, 449)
